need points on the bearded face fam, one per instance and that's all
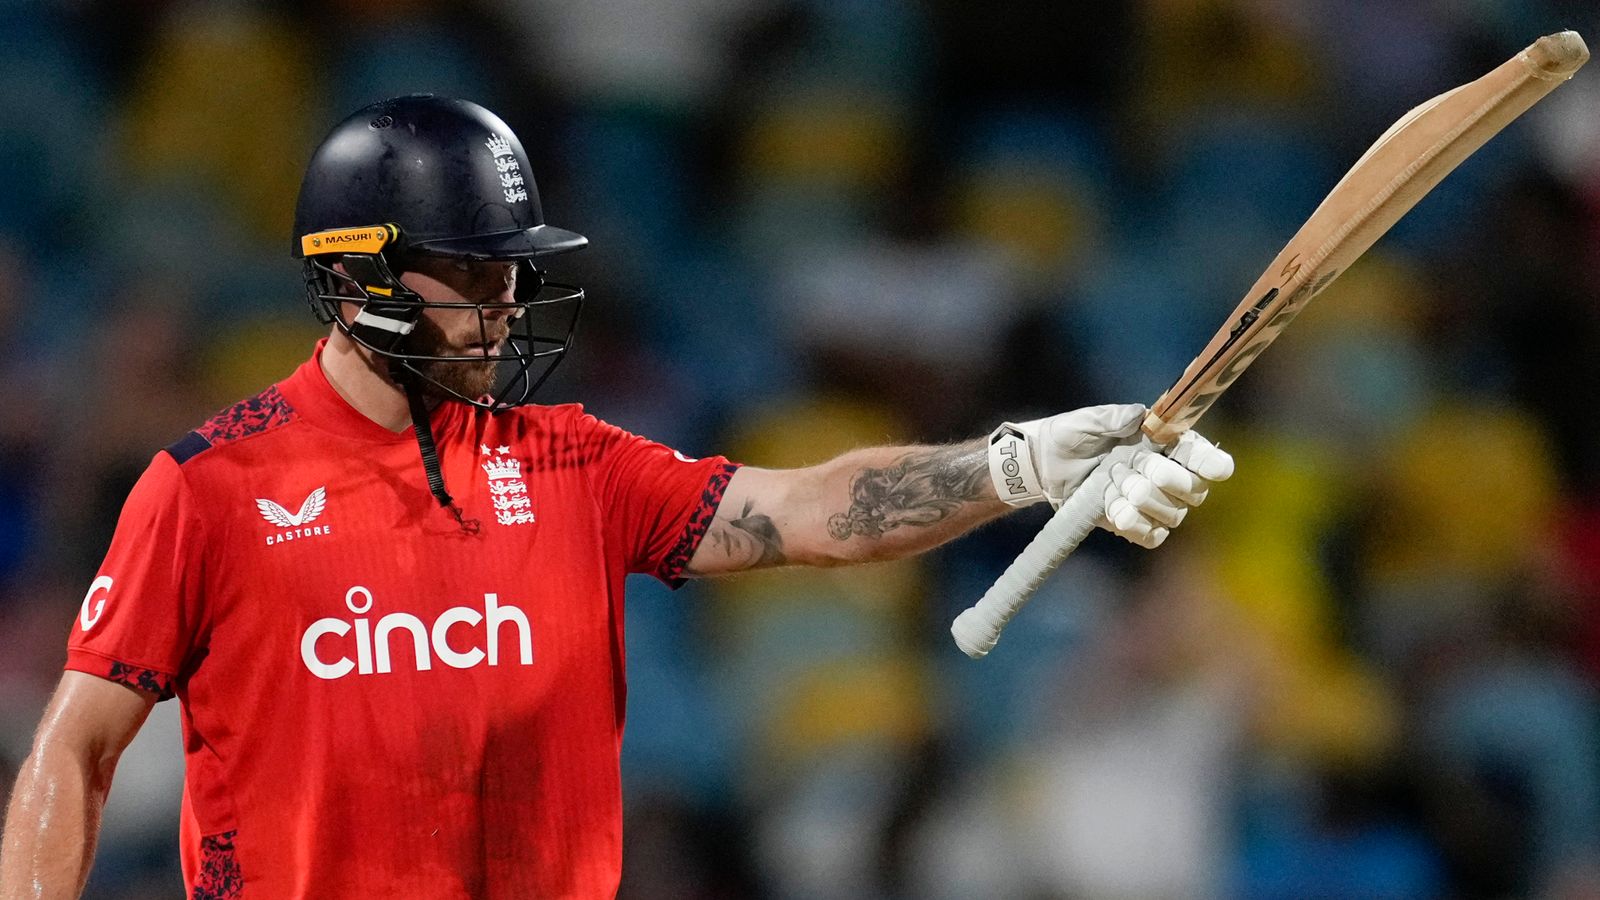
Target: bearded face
(474, 374)
(461, 343)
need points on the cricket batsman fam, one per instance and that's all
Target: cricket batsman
(387, 591)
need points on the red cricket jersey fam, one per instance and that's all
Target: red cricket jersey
(376, 702)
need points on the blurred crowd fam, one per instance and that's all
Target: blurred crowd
(1366, 668)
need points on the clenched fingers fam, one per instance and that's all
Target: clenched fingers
(1150, 494)
(1149, 497)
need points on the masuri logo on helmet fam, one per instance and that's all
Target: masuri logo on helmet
(349, 240)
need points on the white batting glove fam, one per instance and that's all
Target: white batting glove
(1150, 493)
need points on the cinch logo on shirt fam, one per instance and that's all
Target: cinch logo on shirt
(372, 642)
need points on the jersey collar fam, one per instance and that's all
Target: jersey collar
(309, 392)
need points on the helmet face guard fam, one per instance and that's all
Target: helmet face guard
(538, 323)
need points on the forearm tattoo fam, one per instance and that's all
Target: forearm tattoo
(918, 489)
(751, 539)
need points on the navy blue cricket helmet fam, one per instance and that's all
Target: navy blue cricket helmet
(438, 176)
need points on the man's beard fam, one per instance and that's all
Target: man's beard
(470, 377)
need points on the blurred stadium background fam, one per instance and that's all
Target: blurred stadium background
(1366, 669)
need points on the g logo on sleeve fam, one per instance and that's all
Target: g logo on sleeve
(87, 616)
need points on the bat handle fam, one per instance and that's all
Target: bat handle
(978, 629)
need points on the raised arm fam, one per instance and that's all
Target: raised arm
(873, 504)
(54, 817)
(890, 502)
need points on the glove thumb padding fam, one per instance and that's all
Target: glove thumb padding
(1202, 457)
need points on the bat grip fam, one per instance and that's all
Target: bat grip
(978, 629)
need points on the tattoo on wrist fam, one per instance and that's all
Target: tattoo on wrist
(918, 489)
(751, 540)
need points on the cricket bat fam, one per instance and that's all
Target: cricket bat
(1405, 163)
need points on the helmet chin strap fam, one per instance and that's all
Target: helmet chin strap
(386, 319)
(412, 385)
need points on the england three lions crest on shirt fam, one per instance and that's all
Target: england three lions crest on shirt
(506, 488)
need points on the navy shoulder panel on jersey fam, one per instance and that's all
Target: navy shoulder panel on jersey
(263, 412)
(186, 447)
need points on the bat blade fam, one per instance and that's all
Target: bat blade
(1399, 169)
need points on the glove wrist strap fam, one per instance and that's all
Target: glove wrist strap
(1011, 467)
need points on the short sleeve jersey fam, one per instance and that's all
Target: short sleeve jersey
(379, 700)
